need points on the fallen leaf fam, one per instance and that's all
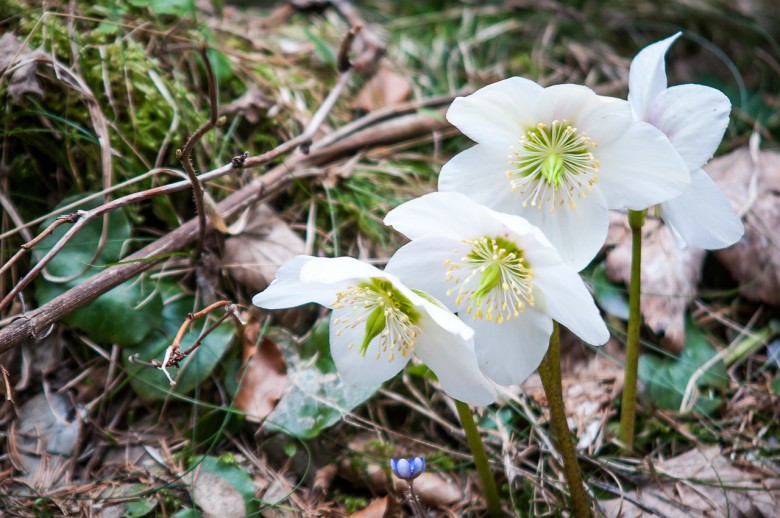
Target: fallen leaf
(433, 489)
(24, 79)
(385, 88)
(263, 244)
(263, 379)
(376, 509)
(669, 277)
(44, 438)
(751, 181)
(701, 482)
(222, 489)
(252, 105)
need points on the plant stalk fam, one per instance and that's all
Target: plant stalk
(636, 219)
(550, 372)
(480, 459)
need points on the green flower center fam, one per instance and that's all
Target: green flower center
(493, 280)
(384, 312)
(553, 166)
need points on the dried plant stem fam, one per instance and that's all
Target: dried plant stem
(480, 459)
(185, 154)
(37, 322)
(636, 219)
(550, 372)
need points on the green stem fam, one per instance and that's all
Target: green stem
(628, 407)
(550, 372)
(480, 459)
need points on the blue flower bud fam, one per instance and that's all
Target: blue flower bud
(408, 469)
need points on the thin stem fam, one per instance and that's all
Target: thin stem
(550, 372)
(480, 459)
(628, 407)
(417, 507)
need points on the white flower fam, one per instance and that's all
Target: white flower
(499, 273)
(694, 118)
(560, 157)
(378, 322)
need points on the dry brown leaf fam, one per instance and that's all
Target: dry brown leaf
(24, 79)
(435, 490)
(264, 243)
(376, 509)
(263, 378)
(216, 497)
(752, 184)
(252, 105)
(385, 88)
(669, 278)
(701, 483)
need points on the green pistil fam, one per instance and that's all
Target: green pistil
(375, 324)
(552, 169)
(491, 276)
(390, 301)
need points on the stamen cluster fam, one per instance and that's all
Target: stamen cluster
(384, 311)
(497, 282)
(553, 166)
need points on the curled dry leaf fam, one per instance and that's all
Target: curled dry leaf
(669, 277)
(701, 482)
(751, 181)
(385, 88)
(252, 105)
(376, 509)
(263, 379)
(261, 245)
(23, 79)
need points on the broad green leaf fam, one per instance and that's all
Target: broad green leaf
(612, 298)
(318, 397)
(174, 7)
(221, 486)
(187, 513)
(666, 379)
(151, 383)
(124, 315)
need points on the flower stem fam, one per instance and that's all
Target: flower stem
(550, 372)
(417, 508)
(628, 407)
(480, 459)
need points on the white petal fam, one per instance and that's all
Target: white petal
(577, 233)
(446, 319)
(445, 214)
(641, 169)
(353, 366)
(511, 351)
(647, 76)
(603, 119)
(565, 299)
(499, 112)
(455, 364)
(694, 118)
(325, 270)
(702, 217)
(420, 265)
(287, 290)
(480, 174)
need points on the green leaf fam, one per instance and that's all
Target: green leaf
(219, 483)
(174, 7)
(322, 49)
(140, 508)
(124, 315)
(611, 297)
(187, 513)
(318, 397)
(666, 379)
(151, 383)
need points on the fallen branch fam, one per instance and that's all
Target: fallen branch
(36, 323)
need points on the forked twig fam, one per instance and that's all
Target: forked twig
(173, 354)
